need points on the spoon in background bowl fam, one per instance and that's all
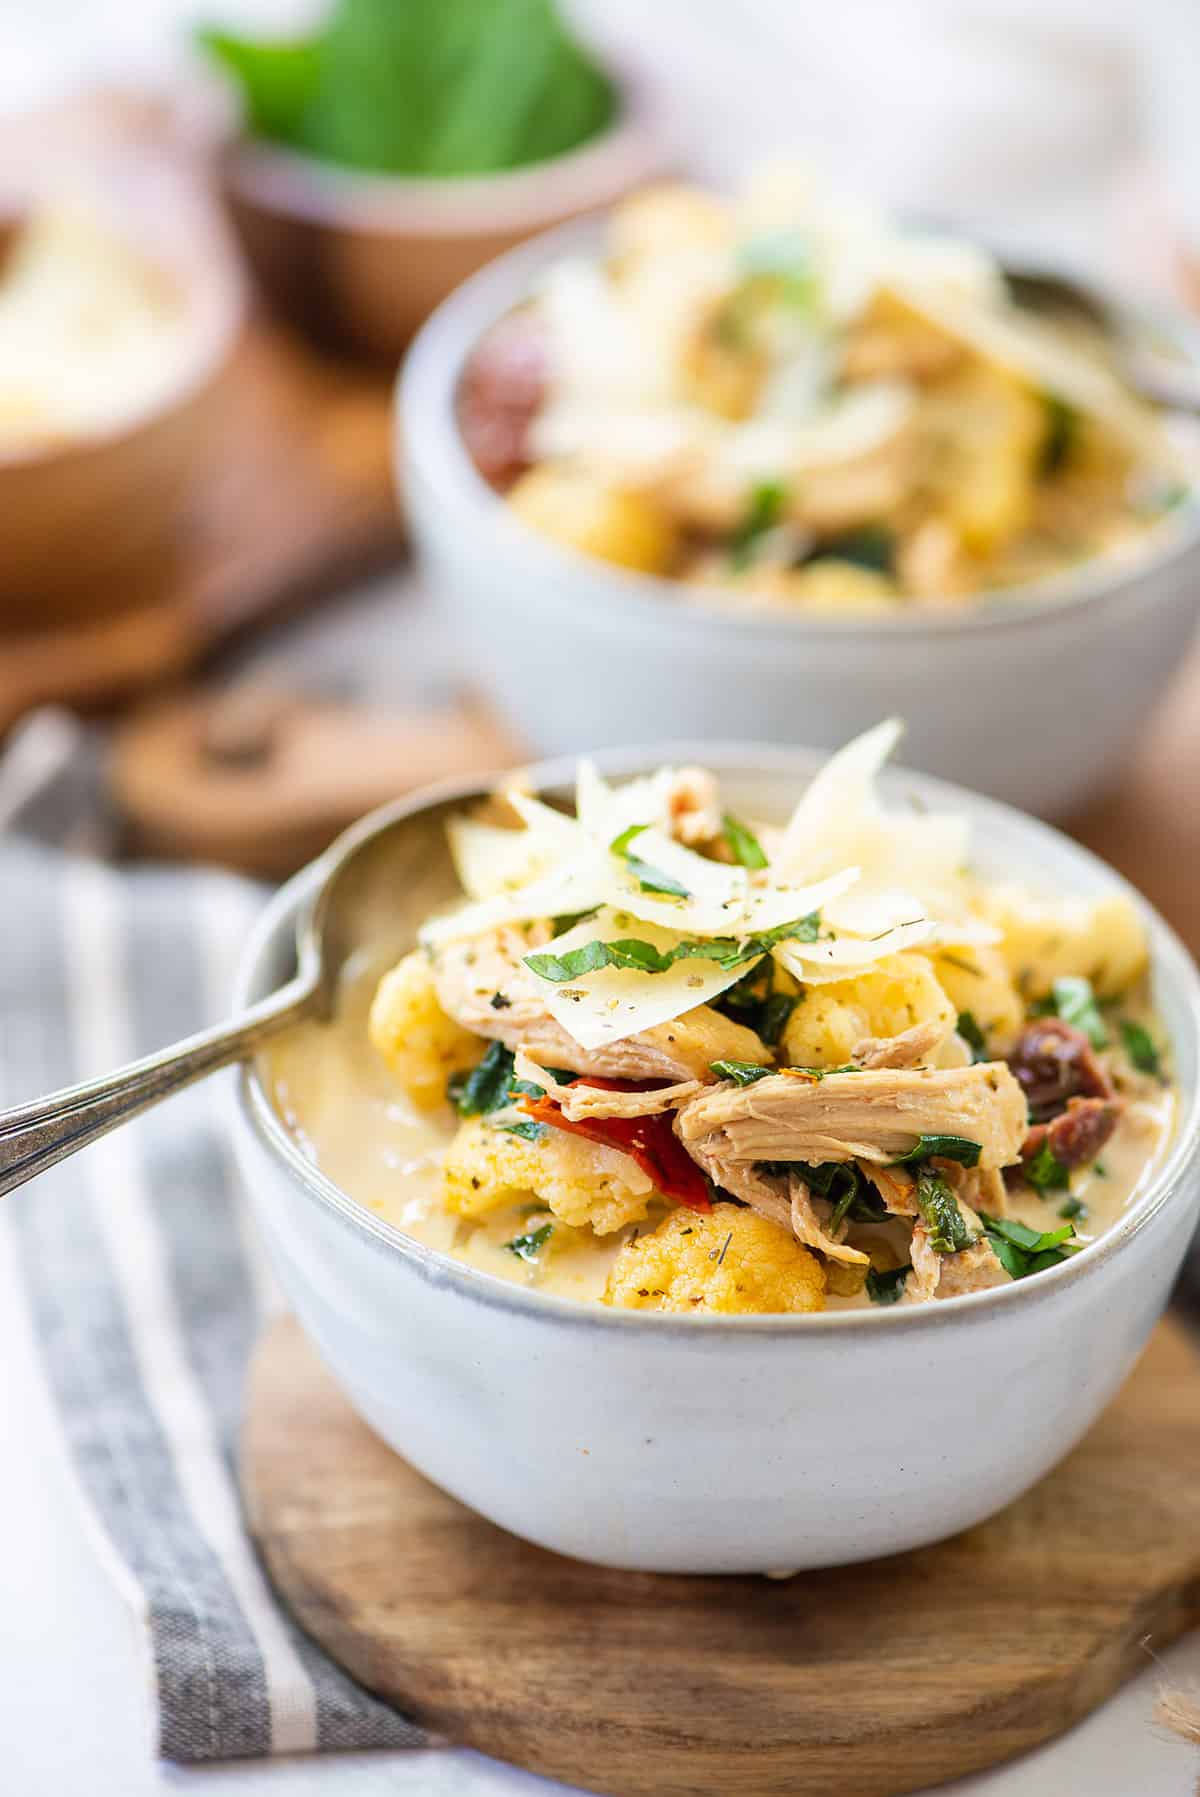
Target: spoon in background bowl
(392, 850)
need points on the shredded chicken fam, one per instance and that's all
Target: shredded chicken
(911, 1048)
(872, 1116)
(895, 1185)
(470, 976)
(577, 1102)
(937, 1275)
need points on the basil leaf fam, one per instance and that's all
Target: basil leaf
(528, 1130)
(948, 1230)
(742, 1073)
(526, 1246)
(1021, 1250)
(1072, 999)
(744, 845)
(1139, 1046)
(1045, 1172)
(425, 87)
(568, 919)
(886, 1288)
(972, 1035)
(762, 514)
(631, 951)
(649, 878)
(946, 1148)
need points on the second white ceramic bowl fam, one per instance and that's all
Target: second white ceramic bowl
(1034, 700)
(725, 1444)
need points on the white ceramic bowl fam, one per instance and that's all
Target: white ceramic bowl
(1034, 700)
(726, 1444)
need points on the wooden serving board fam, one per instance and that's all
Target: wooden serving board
(866, 1681)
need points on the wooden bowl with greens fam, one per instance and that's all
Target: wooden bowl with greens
(394, 151)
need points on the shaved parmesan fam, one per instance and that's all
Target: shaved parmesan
(572, 887)
(617, 1002)
(490, 860)
(847, 953)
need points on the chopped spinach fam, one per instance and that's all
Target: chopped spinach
(762, 514)
(491, 1085)
(1072, 999)
(1074, 1210)
(1139, 1046)
(972, 1035)
(1021, 1250)
(1062, 433)
(947, 1228)
(946, 1148)
(872, 546)
(742, 1073)
(886, 1288)
(847, 1189)
(752, 1002)
(744, 845)
(1045, 1172)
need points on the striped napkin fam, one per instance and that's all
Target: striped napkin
(145, 1291)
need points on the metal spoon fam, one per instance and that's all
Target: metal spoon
(1154, 370)
(396, 853)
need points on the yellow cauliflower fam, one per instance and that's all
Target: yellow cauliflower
(831, 1020)
(989, 429)
(725, 1261)
(977, 980)
(421, 1045)
(1043, 940)
(583, 1183)
(577, 509)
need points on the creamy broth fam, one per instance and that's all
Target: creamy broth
(348, 1115)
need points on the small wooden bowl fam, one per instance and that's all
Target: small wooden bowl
(362, 260)
(86, 519)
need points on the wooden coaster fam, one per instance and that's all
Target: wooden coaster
(867, 1681)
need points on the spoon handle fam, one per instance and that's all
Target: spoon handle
(36, 1135)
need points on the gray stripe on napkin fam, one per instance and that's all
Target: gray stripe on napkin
(143, 1302)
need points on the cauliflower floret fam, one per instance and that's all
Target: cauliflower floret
(831, 1020)
(723, 1261)
(576, 508)
(421, 1045)
(1103, 940)
(976, 979)
(583, 1183)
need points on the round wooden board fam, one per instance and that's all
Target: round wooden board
(867, 1680)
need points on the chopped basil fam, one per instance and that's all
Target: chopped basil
(972, 1035)
(568, 919)
(744, 845)
(1045, 1172)
(947, 1228)
(946, 1148)
(526, 1246)
(1021, 1250)
(527, 1129)
(1072, 999)
(631, 951)
(775, 1014)
(648, 877)
(742, 1073)
(500, 1003)
(886, 1288)
(1074, 1210)
(1139, 1046)
(816, 1073)
(762, 514)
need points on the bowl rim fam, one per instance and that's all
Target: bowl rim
(627, 151)
(428, 448)
(1170, 962)
(216, 307)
